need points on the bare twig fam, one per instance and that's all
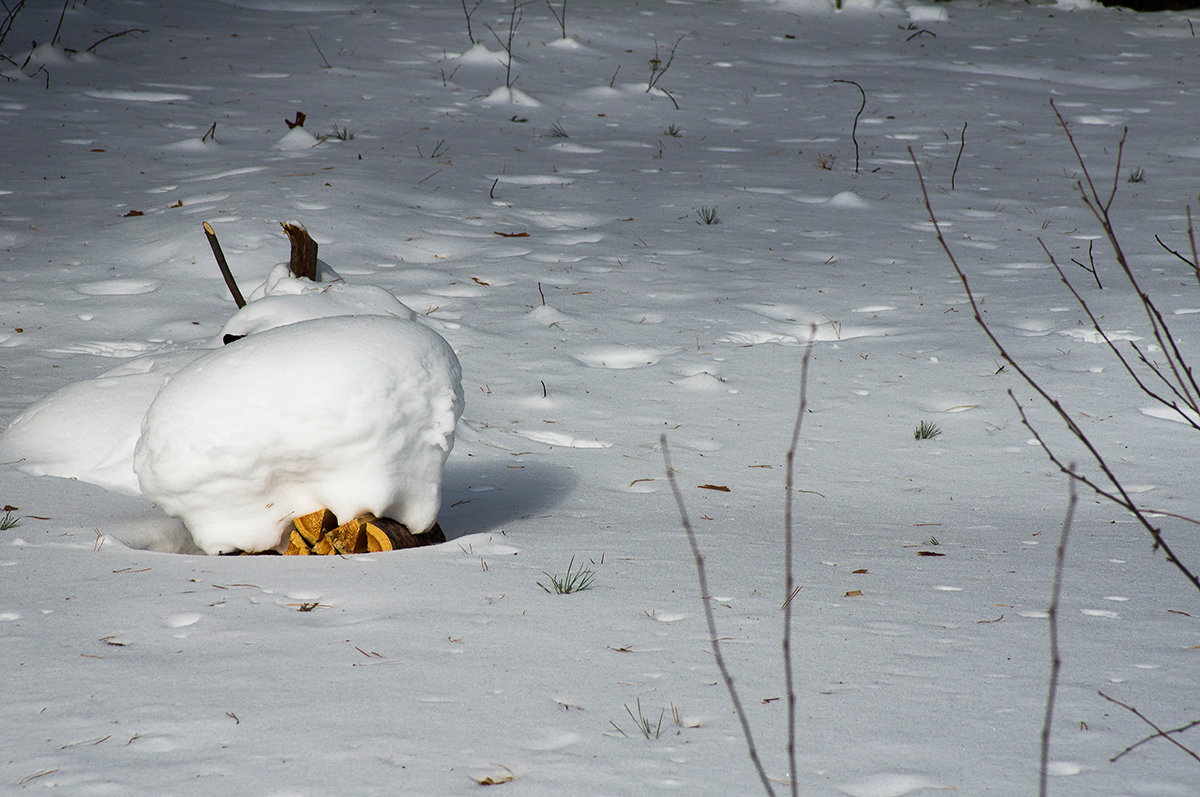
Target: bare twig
(1136, 745)
(224, 266)
(1091, 267)
(10, 17)
(324, 60)
(702, 577)
(1125, 363)
(658, 67)
(515, 15)
(854, 129)
(788, 578)
(1160, 731)
(962, 144)
(1055, 657)
(1182, 378)
(560, 18)
(1194, 262)
(1118, 494)
(468, 14)
(126, 32)
(61, 17)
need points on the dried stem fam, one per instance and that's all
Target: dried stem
(788, 579)
(962, 144)
(224, 266)
(1159, 731)
(1183, 382)
(854, 129)
(1055, 657)
(1138, 744)
(1118, 494)
(658, 67)
(702, 577)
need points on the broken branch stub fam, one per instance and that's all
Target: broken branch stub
(303, 262)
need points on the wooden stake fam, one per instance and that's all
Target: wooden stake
(224, 266)
(303, 262)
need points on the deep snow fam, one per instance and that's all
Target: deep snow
(591, 312)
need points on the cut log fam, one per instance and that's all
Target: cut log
(303, 262)
(350, 537)
(314, 526)
(402, 538)
(319, 534)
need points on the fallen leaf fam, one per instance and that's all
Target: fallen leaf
(132, 213)
(494, 780)
(478, 281)
(718, 487)
(635, 481)
(859, 571)
(929, 553)
(510, 234)
(854, 593)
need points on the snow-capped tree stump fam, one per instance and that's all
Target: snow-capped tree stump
(303, 262)
(319, 533)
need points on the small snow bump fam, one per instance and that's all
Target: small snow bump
(888, 785)
(1099, 613)
(944, 588)
(181, 620)
(850, 200)
(8, 617)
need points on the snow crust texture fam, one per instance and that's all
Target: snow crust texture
(353, 413)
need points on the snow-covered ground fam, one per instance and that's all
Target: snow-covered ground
(591, 312)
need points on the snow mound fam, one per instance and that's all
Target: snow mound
(88, 429)
(286, 299)
(353, 413)
(296, 139)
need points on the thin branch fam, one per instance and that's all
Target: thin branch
(962, 144)
(61, 17)
(1113, 348)
(1152, 736)
(224, 266)
(1073, 427)
(560, 18)
(854, 129)
(702, 577)
(1052, 613)
(1099, 208)
(1142, 717)
(92, 49)
(789, 589)
(1091, 267)
(658, 68)
(468, 15)
(323, 58)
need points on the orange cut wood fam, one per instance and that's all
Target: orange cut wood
(297, 545)
(377, 539)
(315, 525)
(350, 537)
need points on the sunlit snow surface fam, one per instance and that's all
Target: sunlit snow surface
(592, 311)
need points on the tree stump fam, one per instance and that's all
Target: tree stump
(303, 262)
